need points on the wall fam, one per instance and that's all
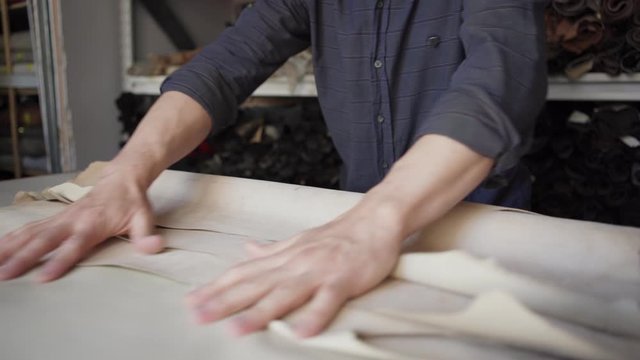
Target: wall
(91, 38)
(92, 45)
(204, 20)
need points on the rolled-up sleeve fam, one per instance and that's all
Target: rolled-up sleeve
(499, 88)
(226, 72)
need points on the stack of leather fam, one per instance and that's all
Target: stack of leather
(593, 36)
(162, 64)
(30, 133)
(22, 59)
(287, 143)
(586, 162)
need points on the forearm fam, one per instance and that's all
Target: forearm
(173, 127)
(431, 178)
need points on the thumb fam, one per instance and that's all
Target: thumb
(141, 233)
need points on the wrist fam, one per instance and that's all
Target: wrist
(383, 218)
(140, 173)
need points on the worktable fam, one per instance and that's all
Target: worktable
(8, 188)
(108, 312)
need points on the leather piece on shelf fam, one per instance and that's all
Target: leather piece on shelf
(588, 30)
(633, 37)
(571, 8)
(616, 11)
(580, 66)
(615, 121)
(630, 62)
(574, 35)
(608, 55)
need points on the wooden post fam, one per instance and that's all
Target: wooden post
(13, 114)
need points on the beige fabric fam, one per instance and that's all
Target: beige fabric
(531, 252)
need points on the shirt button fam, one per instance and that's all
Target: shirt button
(380, 119)
(385, 165)
(380, 4)
(377, 64)
(433, 41)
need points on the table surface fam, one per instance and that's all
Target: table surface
(132, 315)
(112, 313)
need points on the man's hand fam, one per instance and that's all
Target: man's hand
(116, 206)
(318, 271)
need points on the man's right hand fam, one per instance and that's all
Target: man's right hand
(117, 205)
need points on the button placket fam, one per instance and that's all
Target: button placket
(381, 116)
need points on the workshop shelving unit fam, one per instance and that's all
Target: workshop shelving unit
(35, 79)
(591, 87)
(150, 85)
(594, 88)
(12, 83)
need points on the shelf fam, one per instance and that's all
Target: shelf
(595, 87)
(274, 87)
(279, 87)
(25, 171)
(143, 85)
(591, 87)
(16, 6)
(19, 81)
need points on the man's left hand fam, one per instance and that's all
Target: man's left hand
(317, 271)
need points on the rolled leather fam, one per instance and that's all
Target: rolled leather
(587, 31)
(633, 37)
(630, 61)
(616, 11)
(575, 7)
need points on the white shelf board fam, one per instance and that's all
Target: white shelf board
(595, 87)
(143, 85)
(591, 87)
(19, 80)
(17, 6)
(274, 87)
(280, 87)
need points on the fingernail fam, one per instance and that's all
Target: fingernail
(192, 298)
(5, 272)
(302, 331)
(48, 273)
(198, 317)
(238, 326)
(206, 313)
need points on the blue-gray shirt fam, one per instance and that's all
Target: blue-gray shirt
(389, 72)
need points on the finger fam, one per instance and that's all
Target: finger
(233, 300)
(319, 312)
(141, 233)
(276, 304)
(247, 270)
(69, 253)
(30, 254)
(13, 241)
